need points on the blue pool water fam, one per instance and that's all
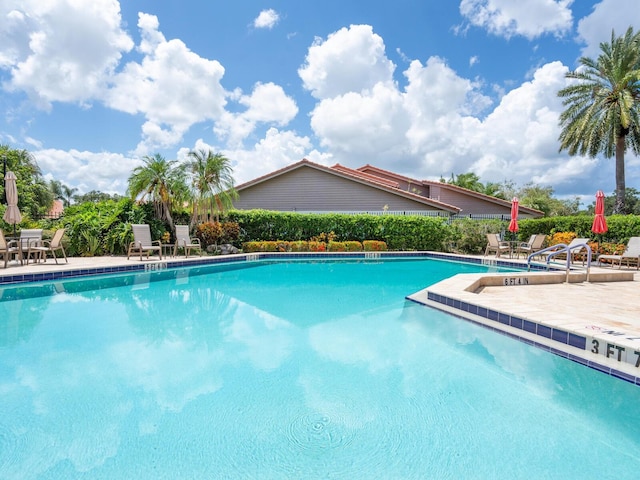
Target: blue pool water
(299, 370)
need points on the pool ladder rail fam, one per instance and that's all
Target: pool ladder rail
(559, 249)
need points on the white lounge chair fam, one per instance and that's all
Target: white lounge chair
(184, 241)
(142, 241)
(630, 254)
(41, 249)
(29, 237)
(494, 244)
(533, 245)
(575, 247)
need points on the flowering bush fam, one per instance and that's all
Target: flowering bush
(562, 237)
(317, 246)
(374, 246)
(353, 246)
(324, 237)
(313, 246)
(299, 246)
(250, 247)
(209, 233)
(212, 233)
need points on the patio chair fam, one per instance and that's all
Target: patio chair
(494, 244)
(533, 245)
(29, 237)
(40, 250)
(142, 242)
(630, 254)
(575, 248)
(185, 242)
(9, 249)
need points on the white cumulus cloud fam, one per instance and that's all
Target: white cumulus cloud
(528, 18)
(350, 60)
(268, 103)
(266, 19)
(172, 87)
(608, 15)
(61, 51)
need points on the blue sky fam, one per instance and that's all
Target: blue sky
(422, 88)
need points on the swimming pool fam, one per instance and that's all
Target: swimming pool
(308, 369)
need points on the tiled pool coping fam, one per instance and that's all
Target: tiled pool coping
(137, 266)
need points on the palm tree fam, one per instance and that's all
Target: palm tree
(212, 184)
(68, 194)
(160, 181)
(603, 106)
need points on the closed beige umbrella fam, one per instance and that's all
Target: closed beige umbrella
(12, 214)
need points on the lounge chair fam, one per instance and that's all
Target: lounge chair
(184, 241)
(533, 245)
(40, 250)
(494, 244)
(29, 237)
(630, 254)
(575, 248)
(142, 242)
(9, 249)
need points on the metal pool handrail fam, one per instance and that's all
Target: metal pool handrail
(559, 249)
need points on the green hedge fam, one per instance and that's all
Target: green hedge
(621, 227)
(103, 228)
(398, 232)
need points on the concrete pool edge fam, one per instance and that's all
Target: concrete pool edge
(603, 348)
(109, 265)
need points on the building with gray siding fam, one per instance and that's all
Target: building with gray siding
(309, 187)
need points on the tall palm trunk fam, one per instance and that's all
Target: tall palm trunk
(620, 182)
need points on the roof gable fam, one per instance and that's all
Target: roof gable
(354, 176)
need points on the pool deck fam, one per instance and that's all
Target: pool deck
(596, 322)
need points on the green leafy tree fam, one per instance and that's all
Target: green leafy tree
(34, 195)
(159, 181)
(469, 180)
(631, 203)
(541, 198)
(603, 106)
(94, 196)
(212, 185)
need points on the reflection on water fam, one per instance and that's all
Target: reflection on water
(291, 371)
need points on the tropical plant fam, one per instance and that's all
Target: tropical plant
(34, 195)
(160, 181)
(68, 193)
(212, 185)
(603, 106)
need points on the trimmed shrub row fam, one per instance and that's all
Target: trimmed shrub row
(313, 246)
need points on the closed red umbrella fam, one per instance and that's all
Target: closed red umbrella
(599, 222)
(513, 224)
